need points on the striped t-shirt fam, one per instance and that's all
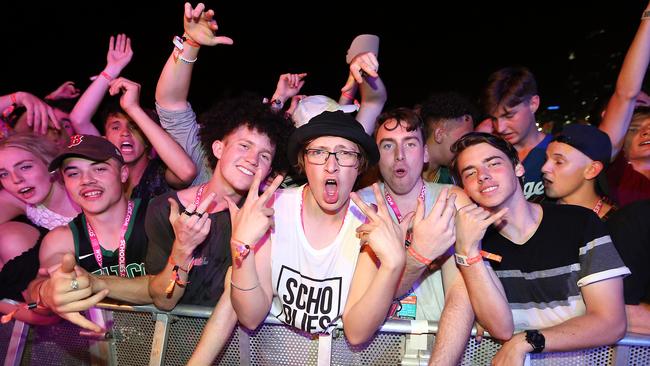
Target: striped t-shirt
(542, 277)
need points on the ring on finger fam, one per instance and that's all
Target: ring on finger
(186, 212)
(74, 285)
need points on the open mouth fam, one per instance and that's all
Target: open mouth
(400, 172)
(27, 192)
(331, 194)
(645, 143)
(126, 147)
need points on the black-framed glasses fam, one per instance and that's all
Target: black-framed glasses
(343, 157)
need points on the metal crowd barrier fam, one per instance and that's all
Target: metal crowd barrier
(141, 335)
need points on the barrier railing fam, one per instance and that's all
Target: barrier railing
(141, 335)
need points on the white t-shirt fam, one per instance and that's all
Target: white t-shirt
(310, 286)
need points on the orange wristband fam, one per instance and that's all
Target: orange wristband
(418, 257)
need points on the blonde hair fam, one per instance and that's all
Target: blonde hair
(40, 147)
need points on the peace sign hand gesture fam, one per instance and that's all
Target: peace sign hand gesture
(380, 232)
(435, 233)
(253, 220)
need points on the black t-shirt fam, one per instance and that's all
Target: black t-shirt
(136, 246)
(542, 277)
(630, 231)
(206, 280)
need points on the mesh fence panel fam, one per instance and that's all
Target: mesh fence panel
(479, 353)
(384, 349)
(133, 333)
(58, 344)
(593, 356)
(280, 345)
(185, 333)
(639, 356)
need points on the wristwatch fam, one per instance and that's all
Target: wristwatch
(536, 339)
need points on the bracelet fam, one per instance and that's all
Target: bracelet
(347, 95)
(418, 257)
(178, 42)
(106, 76)
(190, 41)
(189, 267)
(12, 97)
(180, 57)
(645, 15)
(175, 280)
(244, 289)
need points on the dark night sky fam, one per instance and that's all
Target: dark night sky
(454, 46)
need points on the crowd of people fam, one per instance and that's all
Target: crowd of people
(316, 210)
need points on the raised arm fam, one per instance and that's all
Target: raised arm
(432, 237)
(363, 70)
(174, 83)
(485, 291)
(190, 229)
(251, 291)
(372, 285)
(630, 79)
(289, 85)
(119, 55)
(180, 168)
(38, 113)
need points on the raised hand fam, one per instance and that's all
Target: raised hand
(294, 103)
(191, 227)
(66, 90)
(130, 92)
(69, 291)
(252, 221)
(289, 85)
(435, 233)
(384, 236)
(201, 26)
(365, 63)
(471, 223)
(119, 54)
(38, 113)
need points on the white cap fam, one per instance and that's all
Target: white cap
(313, 105)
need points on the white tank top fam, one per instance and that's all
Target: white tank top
(44, 217)
(310, 286)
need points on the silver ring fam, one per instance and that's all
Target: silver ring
(74, 285)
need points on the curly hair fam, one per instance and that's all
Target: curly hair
(445, 106)
(247, 110)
